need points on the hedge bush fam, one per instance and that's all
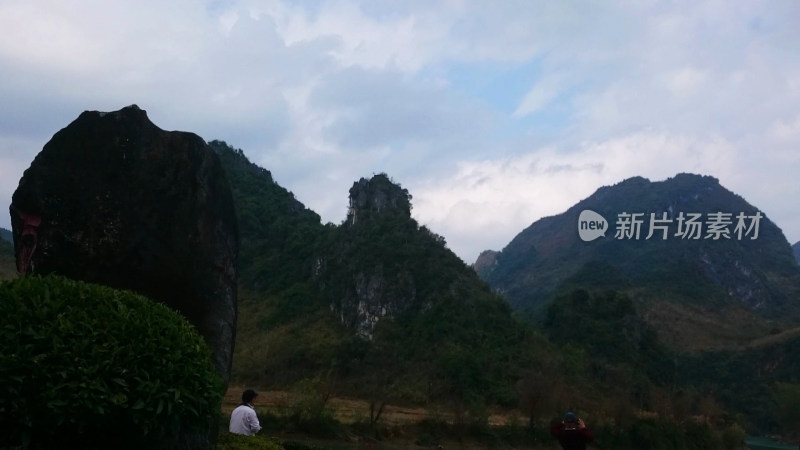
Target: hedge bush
(230, 441)
(87, 366)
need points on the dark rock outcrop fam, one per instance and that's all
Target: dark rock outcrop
(377, 195)
(113, 199)
(485, 262)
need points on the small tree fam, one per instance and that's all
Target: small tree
(536, 391)
(787, 401)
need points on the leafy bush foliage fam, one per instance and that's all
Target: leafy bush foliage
(86, 366)
(231, 441)
(310, 414)
(787, 400)
(660, 434)
(733, 437)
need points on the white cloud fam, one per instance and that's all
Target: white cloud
(685, 81)
(786, 130)
(483, 204)
(543, 92)
(321, 93)
(395, 41)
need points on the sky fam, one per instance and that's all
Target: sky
(492, 114)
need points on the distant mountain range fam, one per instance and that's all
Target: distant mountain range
(8, 267)
(796, 248)
(380, 302)
(699, 287)
(6, 235)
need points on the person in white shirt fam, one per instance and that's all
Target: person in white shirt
(243, 418)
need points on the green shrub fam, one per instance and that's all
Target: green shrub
(700, 436)
(86, 366)
(608, 435)
(231, 441)
(653, 434)
(787, 401)
(310, 413)
(733, 437)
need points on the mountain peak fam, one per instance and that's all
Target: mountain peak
(685, 176)
(377, 195)
(683, 179)
(747, 266)
(128, 113)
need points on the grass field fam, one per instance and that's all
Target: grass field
(348, 411)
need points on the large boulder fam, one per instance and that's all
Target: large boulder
(112, 199)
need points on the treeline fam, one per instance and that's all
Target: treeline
(762, 383)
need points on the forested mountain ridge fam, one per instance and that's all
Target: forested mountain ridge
(377, 307)
(379, 261)
(721, 291)
(377, 303)
(278, 234)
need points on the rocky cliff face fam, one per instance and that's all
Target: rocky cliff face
(377, 195)
(113, 199)
(377, 289)
(381, 263)
(796, 249)
(485, 262)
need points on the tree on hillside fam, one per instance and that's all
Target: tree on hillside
(787, 402)
(607, 327)
(538, 391)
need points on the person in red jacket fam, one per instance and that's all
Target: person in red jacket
(571, 432)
